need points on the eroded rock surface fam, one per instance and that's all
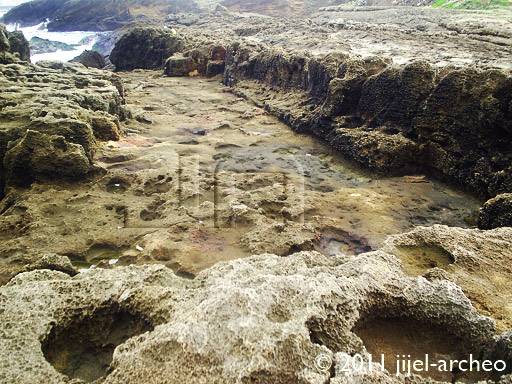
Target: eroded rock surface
(202, 176)
(390, 119)
(51, 116)
(207, 176)
(13, 47)
(387, 111)
(262, 319)
(497, 212)
(478, 261)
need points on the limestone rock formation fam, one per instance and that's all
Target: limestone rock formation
(179, 65)
(262, 319)
(91, 59)
(391, 119)
(51, 123)
(478, 261)
(497, 212)
(147, 48)
(38, 156)
(385, 109)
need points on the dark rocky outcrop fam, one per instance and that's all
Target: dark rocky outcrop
(93, 15)
(13, 47)
(146, 48)
(66, 15)
(40, 45)
(91, 59)
(19, 45)
(496, 212)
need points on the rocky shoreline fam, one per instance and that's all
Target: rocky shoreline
(51, 123)
(159, 227)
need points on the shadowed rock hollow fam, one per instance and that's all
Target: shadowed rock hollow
(293, 309)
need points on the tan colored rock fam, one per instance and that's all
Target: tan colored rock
(479, 261)
(38, 156)
(60, 99)
(262, 319)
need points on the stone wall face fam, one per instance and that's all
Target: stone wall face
(453, 123)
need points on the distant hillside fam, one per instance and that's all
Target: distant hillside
(93, 15)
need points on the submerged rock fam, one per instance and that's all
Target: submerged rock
(496, 212)
(39, 45)
(146, 48)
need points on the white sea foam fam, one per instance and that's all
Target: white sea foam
(72, 38)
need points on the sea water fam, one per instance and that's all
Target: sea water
(83, 40)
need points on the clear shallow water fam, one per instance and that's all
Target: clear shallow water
(76, 37)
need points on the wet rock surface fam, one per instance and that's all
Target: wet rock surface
(39, 45)
(203, 176)
(131, 261)
(385, 110)
(392, 120)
